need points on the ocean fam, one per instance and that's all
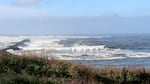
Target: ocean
(96, 50)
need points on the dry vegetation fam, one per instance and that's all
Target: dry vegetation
(35, 70)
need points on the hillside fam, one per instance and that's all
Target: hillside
(35, 70)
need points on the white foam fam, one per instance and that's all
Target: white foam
(81, 48)
(6, 41)
(49, 45)
(100, 54)
(39, 42)
(139, 55)
(42, 44)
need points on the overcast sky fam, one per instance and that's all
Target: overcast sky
(74, 16)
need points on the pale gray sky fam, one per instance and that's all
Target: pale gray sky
(74, 16)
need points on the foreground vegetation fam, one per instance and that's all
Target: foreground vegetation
(35, 70)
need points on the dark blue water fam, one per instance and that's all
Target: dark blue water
(138, 62)
(137, 42)
(98, 50)
(133, 42)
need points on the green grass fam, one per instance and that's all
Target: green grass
(31, 69)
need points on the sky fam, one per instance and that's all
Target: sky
(74, 16)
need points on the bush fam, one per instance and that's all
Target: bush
(30, 69)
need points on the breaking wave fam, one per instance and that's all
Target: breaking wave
(71, 47)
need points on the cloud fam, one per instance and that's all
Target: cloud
(11, 11)
(27, 2)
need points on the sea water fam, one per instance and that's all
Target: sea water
(96, 50)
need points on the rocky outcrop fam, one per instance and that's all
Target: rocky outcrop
(16, 45)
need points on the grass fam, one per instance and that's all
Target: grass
(30, 69)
